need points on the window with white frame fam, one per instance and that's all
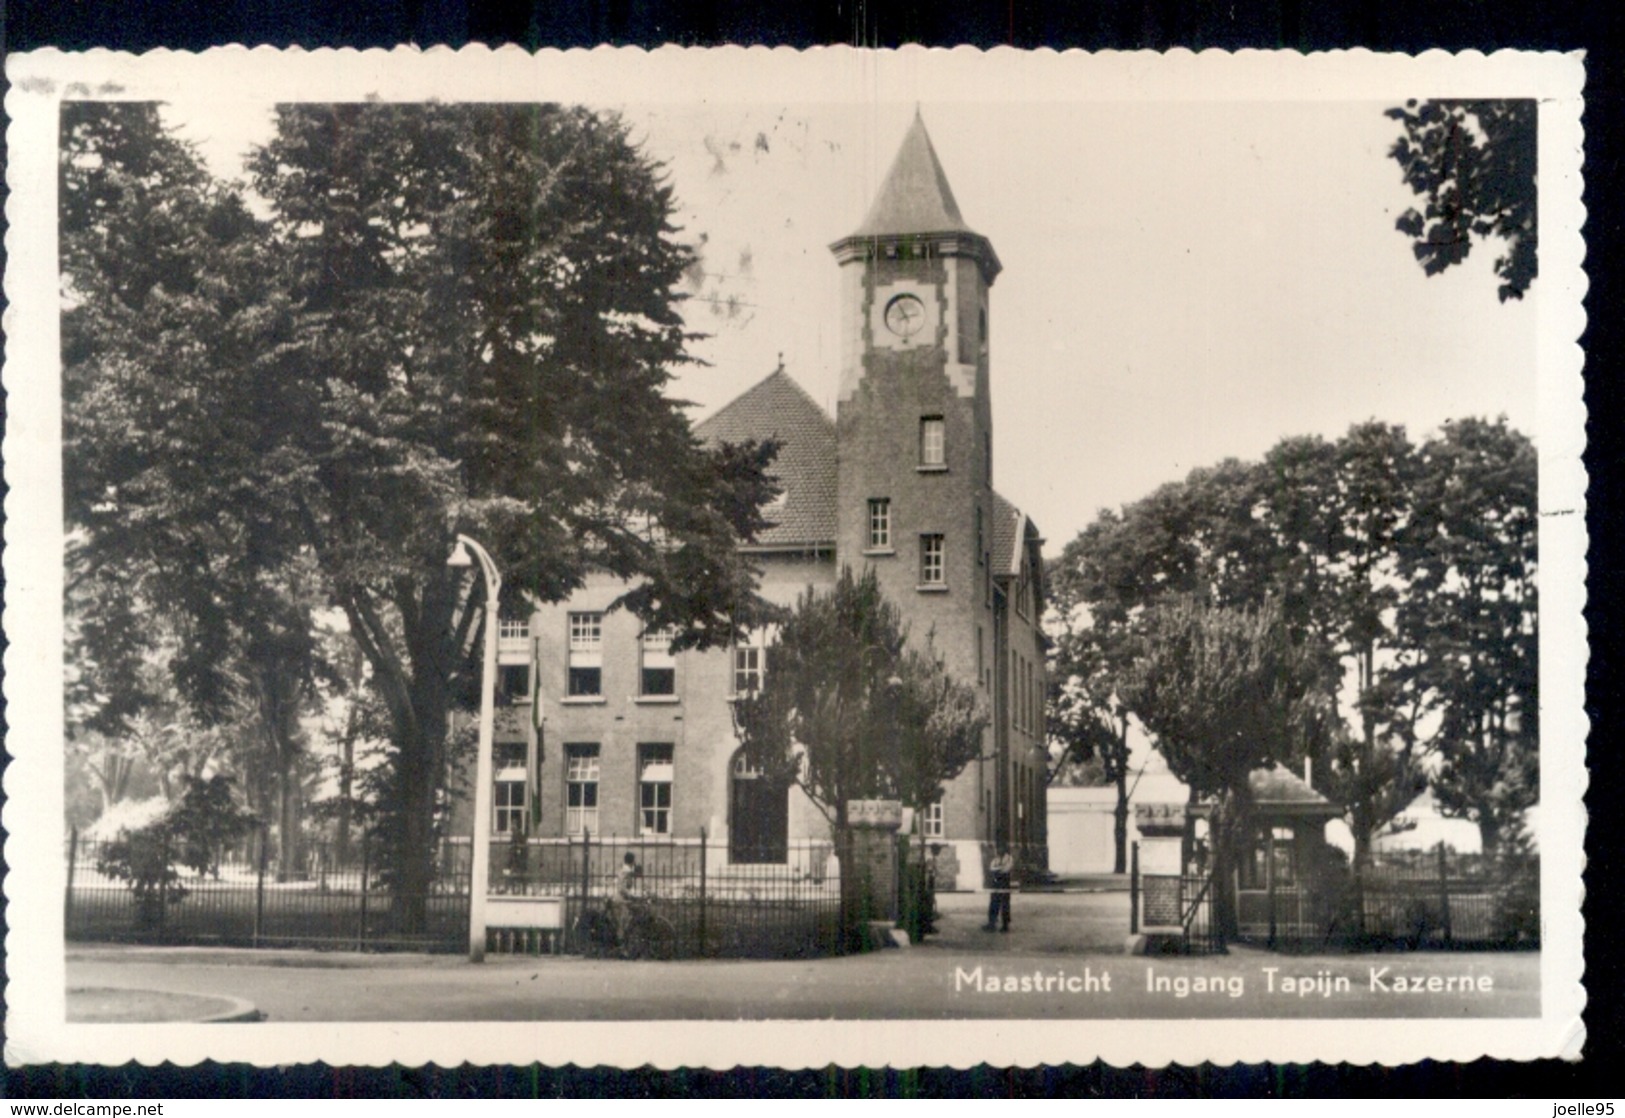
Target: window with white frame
(513, 630)
(879, 523)
(508, 807)
(932, 572)
(581, 788)
(931, 819)
(586, 654)
(655, 770)
(509, 782)
(658, 671)
(750, 666)
(933, 441)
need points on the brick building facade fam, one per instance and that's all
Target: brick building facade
(635, 741)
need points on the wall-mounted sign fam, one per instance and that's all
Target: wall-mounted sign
(875, 813)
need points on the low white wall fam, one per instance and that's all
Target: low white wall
(1080, 830)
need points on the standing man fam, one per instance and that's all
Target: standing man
(999, 871)
(627, 891)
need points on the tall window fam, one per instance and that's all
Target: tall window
(879, 523)
(933, 451)
(980, 655)
(581, 788)
(1276, 842)
(1014, 676)
(1037, 698)
(508, 788)
(513, 683)
(931, 565)
(586, 654)
(931, 819)
(659, 670)
(749, 661)
(1026, 707)
(654, 789)
(979, 548)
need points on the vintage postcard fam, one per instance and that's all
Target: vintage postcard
(883, 558)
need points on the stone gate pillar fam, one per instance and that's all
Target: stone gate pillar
(874, 856)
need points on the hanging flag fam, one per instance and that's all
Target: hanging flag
(533, 755)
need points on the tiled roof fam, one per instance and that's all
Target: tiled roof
(779, 408)
(1279, 791)
(1278, 788)
(916, 197)
(1007, 522)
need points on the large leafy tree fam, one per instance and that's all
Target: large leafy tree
(1405, 574)
(1471, 556)
(1474, 164)
(454, 318)
(1314, 530)
(850, 710)
(1225, 691)
(1339, 510)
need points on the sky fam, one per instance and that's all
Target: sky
(1183, 281)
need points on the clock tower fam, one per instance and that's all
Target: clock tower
(914, 425)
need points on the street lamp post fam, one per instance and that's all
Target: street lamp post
(480, 872)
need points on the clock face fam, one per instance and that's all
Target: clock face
(905, 314)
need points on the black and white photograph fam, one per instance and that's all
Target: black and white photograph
(821, 555)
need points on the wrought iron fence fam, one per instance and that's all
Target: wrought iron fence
(1439, 898)
(329, 901)
(712, 906)
(1431, 899)
(1176, 905)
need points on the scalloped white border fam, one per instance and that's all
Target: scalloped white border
(35, 1025)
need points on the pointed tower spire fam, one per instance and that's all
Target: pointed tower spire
(916, 204)
(915, 197)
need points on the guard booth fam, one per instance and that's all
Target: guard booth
(1281, 881)
(1279, 884)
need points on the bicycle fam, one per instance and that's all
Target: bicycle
(648, 935)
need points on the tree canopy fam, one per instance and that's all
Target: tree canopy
(849, 710)
(1403, 576)
(1474, 163)
(1225, 690)
(451, 318)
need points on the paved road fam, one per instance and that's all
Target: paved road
(1059, 961)
(1042, 923)
(916, 984)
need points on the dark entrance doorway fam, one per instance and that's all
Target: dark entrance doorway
(758, 816)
